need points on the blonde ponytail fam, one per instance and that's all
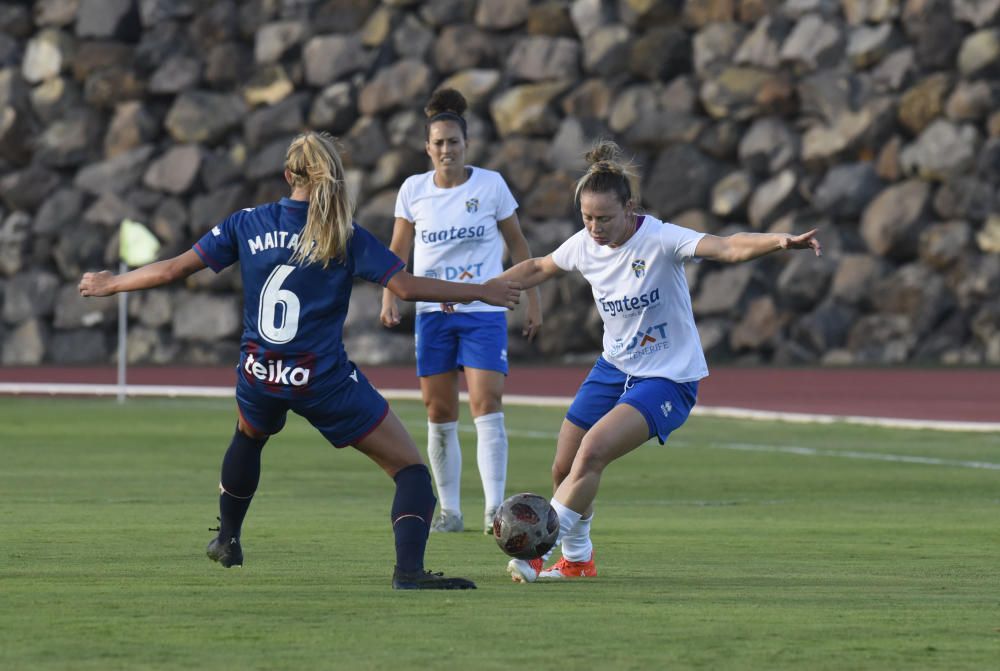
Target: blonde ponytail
(609, 171)
(314, 164)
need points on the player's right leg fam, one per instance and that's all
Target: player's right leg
(596, 396)
(392, 448)
(444, 451)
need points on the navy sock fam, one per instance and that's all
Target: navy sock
(240, 475)
(411, 516)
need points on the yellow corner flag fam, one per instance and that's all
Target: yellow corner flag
(137, 246)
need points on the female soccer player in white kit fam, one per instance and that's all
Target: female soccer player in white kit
(457, 218)
(645, 382)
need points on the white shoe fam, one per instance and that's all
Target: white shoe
(448, 521)
(488, 521)
(524, 570)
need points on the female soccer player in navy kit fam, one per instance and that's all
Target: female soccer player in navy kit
(457, 219)
(645, 382)
(298, 258)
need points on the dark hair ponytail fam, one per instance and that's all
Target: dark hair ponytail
(446, 105)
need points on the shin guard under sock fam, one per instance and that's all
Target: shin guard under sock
(238, 482)
(412, 509)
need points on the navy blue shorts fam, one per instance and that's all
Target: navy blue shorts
(344, 412)
(664, 403)
(446, 341)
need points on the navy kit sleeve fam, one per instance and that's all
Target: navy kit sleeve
(219, 248)
(373, 261)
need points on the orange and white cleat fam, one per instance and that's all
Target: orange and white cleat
(524, 570)
(564, 568)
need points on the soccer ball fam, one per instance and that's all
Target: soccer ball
(526, 526)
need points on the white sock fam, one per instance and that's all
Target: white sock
(445, 455)
(491, 455)
(576, 545)
(567, 519)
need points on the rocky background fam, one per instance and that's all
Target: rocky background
(874, 120)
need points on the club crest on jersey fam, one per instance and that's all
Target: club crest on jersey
(639, 267)
(472, 205)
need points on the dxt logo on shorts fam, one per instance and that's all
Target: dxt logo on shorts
(276, 372)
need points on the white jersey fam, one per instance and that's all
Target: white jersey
(642, 294)
(456, 236)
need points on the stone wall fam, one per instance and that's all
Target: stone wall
(874, 120)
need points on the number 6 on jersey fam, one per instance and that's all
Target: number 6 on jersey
(271, 296)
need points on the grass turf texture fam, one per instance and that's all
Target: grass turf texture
(710, 557)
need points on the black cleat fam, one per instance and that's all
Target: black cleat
(428, 580)
(228, 553)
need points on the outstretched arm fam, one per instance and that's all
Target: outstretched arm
(156, 274)
(497, 291)
(741, 247)
(532, 272)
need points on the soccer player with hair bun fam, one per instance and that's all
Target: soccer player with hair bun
(298, 258)
(645, 381)
(456, 218)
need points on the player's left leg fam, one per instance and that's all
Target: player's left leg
(486, 405)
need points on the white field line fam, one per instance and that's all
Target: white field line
(781, 449)
(53, 389)
(853, 454)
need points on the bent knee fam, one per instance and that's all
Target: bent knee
(590, 458)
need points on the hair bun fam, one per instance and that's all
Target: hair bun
(604, 151)
(446, 100)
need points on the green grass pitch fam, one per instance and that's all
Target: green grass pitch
(741, 545)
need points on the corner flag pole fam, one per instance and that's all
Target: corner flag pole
(136, 247)
(122, 334)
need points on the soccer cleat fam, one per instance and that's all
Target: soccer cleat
(524, 570)
(488, 521)
(448, 521)
(428, 580)
(564, 568)
(228, 553)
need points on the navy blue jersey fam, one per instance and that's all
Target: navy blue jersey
(293, 315)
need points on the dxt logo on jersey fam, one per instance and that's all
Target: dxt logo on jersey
(639, 267)
(274, 371)
(457, 273)
(646, 341)
(472, 205)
